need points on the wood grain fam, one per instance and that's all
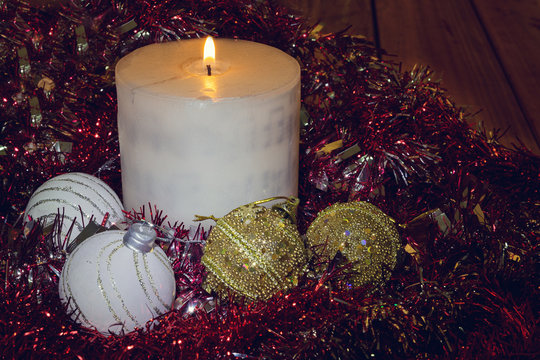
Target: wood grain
(447, 36)
(514, 30)
(336, 15)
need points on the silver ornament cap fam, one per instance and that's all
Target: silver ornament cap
(140, 237)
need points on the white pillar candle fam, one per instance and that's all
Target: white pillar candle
(197, 144)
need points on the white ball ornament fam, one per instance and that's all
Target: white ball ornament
(116, 281)
(77, 196)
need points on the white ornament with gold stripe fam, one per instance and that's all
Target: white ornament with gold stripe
(116, 281)
(78, 197)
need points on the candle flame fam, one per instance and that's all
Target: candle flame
(209, 57)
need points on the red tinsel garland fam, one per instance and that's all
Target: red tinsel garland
(466, 287)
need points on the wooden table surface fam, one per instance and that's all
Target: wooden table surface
(487, 52)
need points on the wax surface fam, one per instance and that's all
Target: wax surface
(169, 69)
(197, 144)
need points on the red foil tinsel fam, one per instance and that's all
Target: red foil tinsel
(466, 286)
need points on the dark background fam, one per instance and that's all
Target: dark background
(486, 52)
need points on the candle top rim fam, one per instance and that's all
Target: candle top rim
(252, 69)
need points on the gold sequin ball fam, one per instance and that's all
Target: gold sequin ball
(254, 252)
(363, 234)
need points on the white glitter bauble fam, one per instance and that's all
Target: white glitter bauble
(115, 286)
(66, 193)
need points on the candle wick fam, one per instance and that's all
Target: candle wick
(209, 69)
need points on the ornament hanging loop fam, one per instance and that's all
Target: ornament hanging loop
(288, 208)
(258, 202)
(202, 218)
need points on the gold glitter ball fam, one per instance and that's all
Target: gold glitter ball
(363, 234)
(254, 252)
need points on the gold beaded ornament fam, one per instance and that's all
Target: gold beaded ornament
(254, 251)
(363, 234)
